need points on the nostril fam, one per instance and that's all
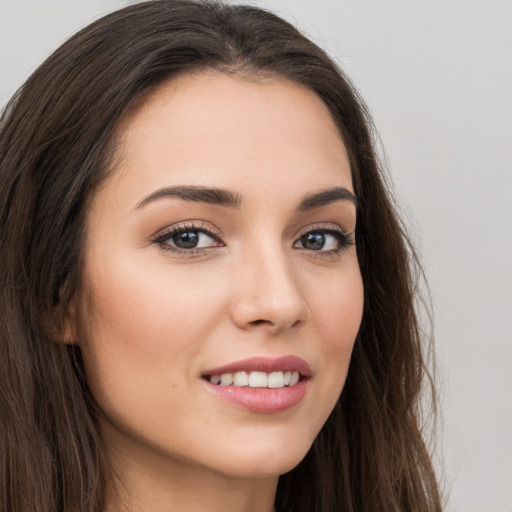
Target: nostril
(259, 322)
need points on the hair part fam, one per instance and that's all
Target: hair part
(57, 145)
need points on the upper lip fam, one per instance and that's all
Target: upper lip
(265, 364)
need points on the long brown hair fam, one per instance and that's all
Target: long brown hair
(56, 147)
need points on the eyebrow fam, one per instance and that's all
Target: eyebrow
(231, 199)
(325, 197)
(195, 193)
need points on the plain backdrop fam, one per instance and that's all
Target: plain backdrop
(437, 76)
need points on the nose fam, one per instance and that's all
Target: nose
(268, 293)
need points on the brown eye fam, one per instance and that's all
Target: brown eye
(313, 241)
(186, 239)
(324, 240)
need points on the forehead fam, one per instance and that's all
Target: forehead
(206, 128)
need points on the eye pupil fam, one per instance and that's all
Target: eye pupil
(313, 241)
(186, 239)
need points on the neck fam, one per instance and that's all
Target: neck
(150, 482)
(180, 494)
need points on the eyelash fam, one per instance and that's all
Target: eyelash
(162, 240)
(344, 239)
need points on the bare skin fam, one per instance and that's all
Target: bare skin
(177, 285)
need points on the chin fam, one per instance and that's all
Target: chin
(270, 460)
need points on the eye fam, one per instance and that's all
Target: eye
(191, 239)
(187, 239)
(324, 240)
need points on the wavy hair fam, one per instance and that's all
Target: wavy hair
(56, 148)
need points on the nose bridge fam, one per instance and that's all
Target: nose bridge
(268, 289)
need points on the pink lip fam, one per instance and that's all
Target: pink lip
(265, 364)
(263, 400)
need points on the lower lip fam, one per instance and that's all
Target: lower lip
(262, 400)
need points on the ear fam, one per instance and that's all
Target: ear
(60, 324)
(68, 334)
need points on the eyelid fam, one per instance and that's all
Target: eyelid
(324, 226)
(194, 225)
(161, 237)
(347, 239)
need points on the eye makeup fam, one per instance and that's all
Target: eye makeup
(326, 238)
(192, 239)
(188, 239)
(325, 243)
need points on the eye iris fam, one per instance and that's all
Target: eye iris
(313, 241)
(186, 239)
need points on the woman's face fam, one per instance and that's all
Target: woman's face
(221, 247)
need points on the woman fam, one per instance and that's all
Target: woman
(184, 285)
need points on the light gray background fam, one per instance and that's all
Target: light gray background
(437, 76)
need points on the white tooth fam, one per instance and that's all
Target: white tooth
(226, 379)
(294, 378)
(215, 379)
(258, 380)
(275, 380)
(240, 379)
(287, 376)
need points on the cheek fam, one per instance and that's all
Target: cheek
(338, 310)
(144, 305)
(144, 326)
(336, 317)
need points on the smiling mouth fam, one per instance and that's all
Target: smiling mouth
(271, 380)
(263, 385)
(261, 372)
